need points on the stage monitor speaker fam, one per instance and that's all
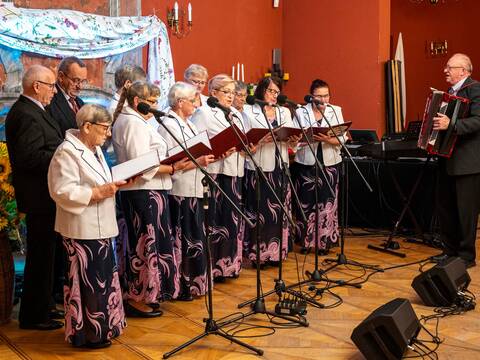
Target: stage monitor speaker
(387, 331)
(439, 286)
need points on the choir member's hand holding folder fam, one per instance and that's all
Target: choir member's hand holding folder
(285, 133)
(136, 167)
(339, 129)
(226, 141)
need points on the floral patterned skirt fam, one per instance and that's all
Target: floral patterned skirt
(303, 177)
(225, 226)
(187, 216)
(273, 224)
(92, 296)
(151, 265)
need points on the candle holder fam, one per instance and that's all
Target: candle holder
(178, 27)
(437, 48)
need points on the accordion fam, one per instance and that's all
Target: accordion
(441, 142)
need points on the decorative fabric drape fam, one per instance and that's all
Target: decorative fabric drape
(60, 33)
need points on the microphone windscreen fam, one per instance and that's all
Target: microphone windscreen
(308, 99)
(250, 100)
(143, 108)
(282, 99)
(212, 101)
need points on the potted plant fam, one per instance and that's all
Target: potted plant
(10, 239)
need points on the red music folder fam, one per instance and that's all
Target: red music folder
(198, 145)
(284, 132)
(254, 135)
(339, 129)
(225, 140)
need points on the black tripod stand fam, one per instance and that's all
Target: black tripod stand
(389, 246)
(211, 326)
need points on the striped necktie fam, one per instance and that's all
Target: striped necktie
(74, 104)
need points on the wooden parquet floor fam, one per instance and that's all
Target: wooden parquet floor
(327, 337)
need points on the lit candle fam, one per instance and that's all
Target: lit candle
(233, 72)
(189, 12)
(238, 71)
(175, 11)
(243, 73)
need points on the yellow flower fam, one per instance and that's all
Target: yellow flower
(5, 169)
(8, 190)
(3, 149)
(3, 223)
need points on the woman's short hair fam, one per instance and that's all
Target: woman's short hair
(128, 72)
(219, 81)
(195, 69)
(154, 90)
(317, 83)
(93, 113)
(263, 86)
(180, 90)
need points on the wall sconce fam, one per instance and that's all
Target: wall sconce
(176, 20)
(437, 48)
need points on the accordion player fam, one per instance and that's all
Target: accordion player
(441, 142)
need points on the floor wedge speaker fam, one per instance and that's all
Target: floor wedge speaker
(387, 331)
(439, 286)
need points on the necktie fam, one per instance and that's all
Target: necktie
(451, 91)
(74, 104)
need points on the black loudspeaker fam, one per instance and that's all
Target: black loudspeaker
(386, 332)
(439, 286)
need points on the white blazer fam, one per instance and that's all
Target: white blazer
(185, 183)
(213, 121)
(265, 154)
(73, 172)
(331, 153)
(132, 136)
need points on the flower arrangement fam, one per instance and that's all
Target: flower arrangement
(11, 222)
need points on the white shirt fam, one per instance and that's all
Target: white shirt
(331, 153)
(185, 183)
(73, 172)
(458, 86)
(265, 154)
(213, 121)
(132, 136)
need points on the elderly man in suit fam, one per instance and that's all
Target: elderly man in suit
(71, 79)
(32, 138)
(459, 176)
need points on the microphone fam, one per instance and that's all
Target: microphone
(252, 100)
(282, 100)
(213, 102)
(144, 108)
(311, 100)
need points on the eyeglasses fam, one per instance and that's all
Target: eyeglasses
(151, 101)
(106, 128)
(448, 67)
(51, 86)
(76, 81)
(198, 82)
(240, 95)
(273, 91)
(321, 96)
(227, 92)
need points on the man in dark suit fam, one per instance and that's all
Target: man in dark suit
(32, 138)
(71, 79)
(459, 176)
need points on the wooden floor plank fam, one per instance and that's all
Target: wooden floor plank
(327, 337)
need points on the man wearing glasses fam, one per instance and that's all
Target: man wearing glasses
(71, 79)
(459, 176)
(32, 138)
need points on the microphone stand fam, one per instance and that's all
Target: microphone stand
(211, 326)
(342, 258)
(280, 286)
(258, 304)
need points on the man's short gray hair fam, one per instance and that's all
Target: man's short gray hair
(94, 114)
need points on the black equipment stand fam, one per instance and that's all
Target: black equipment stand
(211, 326)
(389, 246)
